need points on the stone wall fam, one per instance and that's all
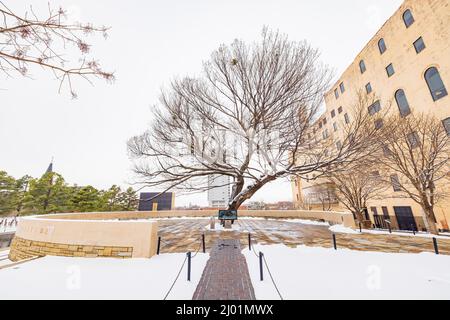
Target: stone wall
(22, 249)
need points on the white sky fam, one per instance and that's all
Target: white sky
(150, 43)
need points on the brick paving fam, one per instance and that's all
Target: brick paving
(225, 276)
(183, 235)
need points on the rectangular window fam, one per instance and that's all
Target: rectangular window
(385, 212)
(375, 108)
(324, 121)
(362, 66)
(333, 113)
(347, 118)
(341, 86)
(378, 124)
(390, 70)
(340, 110)
(396, 183)
(419, 45)
(338, 145)
(446, 124)
(335, 126)
(325, 134)
(368, 88)
(336, 93)
(320, 125)
(413, 140)
(374, 211)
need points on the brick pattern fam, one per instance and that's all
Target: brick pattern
(225, 276)
(22, 249)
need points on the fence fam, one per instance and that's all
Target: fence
(408, 223)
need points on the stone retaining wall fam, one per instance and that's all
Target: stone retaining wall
(22, 249)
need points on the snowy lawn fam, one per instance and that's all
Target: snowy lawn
(82, 278)
(319, 273)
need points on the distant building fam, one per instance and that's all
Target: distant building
(150, 201)
(218, 191)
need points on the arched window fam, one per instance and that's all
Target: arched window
(434, 81)
(382, 46)
(362, 66)
(402, 103)
(408, 18)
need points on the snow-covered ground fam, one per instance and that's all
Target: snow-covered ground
(4, 258)
(9, 226)
(82, 278)
(319, 273)
(338, 228)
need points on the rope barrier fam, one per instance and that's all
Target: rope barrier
(176, 279)
(271, 277)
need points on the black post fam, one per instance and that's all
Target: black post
(203, 243)
(189, 255)
(435, 244)
(390, 229)
(261, 266)
(159, 245)
(249, 242)
(334, 242)
(360, 228)
(413, 230)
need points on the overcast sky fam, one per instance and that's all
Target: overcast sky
(150, 43)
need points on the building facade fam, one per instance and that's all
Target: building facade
(218, 191)
(407, 65)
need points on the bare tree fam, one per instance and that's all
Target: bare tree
(250, 116)
(416, 154)
(356, 185)
(28, 40)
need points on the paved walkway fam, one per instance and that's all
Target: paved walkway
(183, 235)
(225, 276)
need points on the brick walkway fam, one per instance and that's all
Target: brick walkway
(225, 276)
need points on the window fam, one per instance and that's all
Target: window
(374, 211)
(333, 113)
(324, 121)
(396, 183)
(320, 125)
(335, 126)
(336, 93)
(362, 66)
(402, 103)
(340, 110)
(413, 140)
(325, 134)
(368, 88)
(408, 18)
(446, 124)
(419, 45)
(385, 212)
(347, 118)
(390, 70)
(341, 86)
(378, 124)
(435, 84)
(375, 108)
(386, 151)
(338, 145)
(382, 46)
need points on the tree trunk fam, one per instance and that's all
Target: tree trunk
(431, 220)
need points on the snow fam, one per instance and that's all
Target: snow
(7, 228)
(219, 227)
(320, 273)
(106, 278)
(4, 258)
(341, 229)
